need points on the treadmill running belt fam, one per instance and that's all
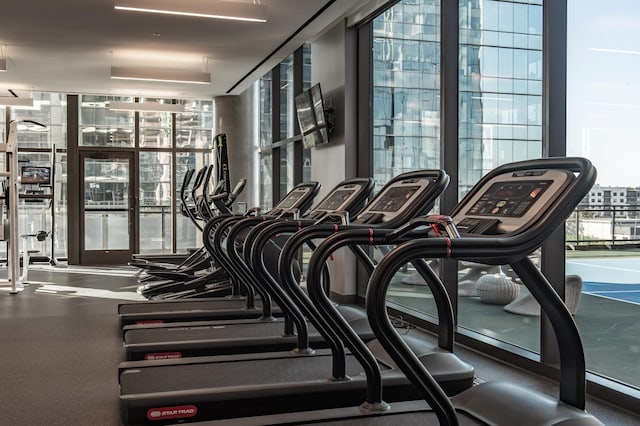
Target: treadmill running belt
(216, 332)
(232, 374)
(181, 306)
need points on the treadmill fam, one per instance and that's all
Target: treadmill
(401, 199)
(153, 312)
(504, 218)
(229, 386)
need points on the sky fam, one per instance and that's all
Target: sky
(603, 87)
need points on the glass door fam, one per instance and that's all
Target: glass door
(107, 222)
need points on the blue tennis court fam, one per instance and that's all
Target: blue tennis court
(613, 278)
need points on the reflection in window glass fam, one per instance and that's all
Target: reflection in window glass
(287, 115)
(500, 86)
(187, 235)
(155, 202)
(406, 98)
(406, 111)
(286, 169)
(155, 127)
(603, 100)
(49, 109)
(99, 126)
(265, 118)
(266, 183)
(500, 121)
(194, 127)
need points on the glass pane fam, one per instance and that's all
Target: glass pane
(287, 167)
(500, 121)
(266, 183)
(49, 109)
(265, 115)
(603, 100)
(155, 202)
(60, 206)
(287, 115)
(106, 204)
(155, 127)
(406, 93)
(106, 230)
(99, 126)
(187, 235)
(194, 127)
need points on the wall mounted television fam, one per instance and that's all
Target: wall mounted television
(315, 127)
(35, 175)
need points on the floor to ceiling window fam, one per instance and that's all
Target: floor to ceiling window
(500, 121)
(163, 145)
(43, 205)
(266, 139)
(603, 101)
(283, 161)
(406, 89)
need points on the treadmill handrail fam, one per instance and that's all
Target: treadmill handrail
(509, 248)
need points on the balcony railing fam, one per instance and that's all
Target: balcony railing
(607, 226)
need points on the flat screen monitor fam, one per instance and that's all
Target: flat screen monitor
(311, 117)
(306, 114)
(35, 175)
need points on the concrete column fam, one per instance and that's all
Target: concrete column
(237, 117)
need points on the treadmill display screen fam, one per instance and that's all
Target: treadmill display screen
(291, 200)
(509, 199)
(335, 200)
(394, 199)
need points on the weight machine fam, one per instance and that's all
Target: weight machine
(9, 231)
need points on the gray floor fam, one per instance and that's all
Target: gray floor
(60, 349)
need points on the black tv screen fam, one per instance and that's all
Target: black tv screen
(35, 175)
(311, 117)
(306, 115)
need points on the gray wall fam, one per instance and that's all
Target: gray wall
(328, 162)
(234, 115)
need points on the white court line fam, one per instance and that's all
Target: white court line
(604, 267)
(612, 291)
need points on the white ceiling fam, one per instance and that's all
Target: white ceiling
(69, 46)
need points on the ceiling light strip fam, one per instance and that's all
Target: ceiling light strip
(161, 75)
(227, 10)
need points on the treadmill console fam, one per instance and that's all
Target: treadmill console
(392, 200)
(508, 203)
(341, 198)
(296, 199)
(292, 198)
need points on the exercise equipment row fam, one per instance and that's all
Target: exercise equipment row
(504, 218)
